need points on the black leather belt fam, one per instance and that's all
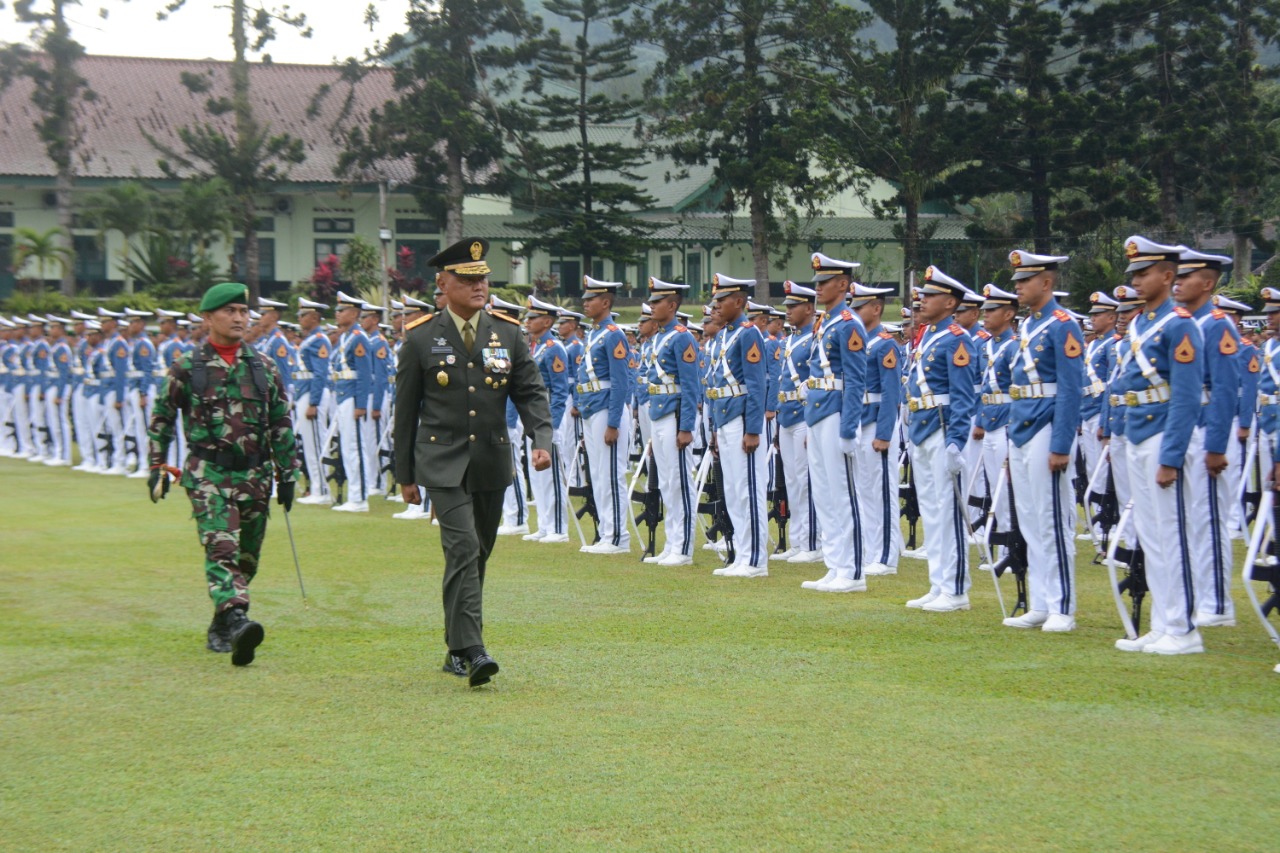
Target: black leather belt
(227, 459)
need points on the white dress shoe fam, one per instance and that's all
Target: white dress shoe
(554, 538)
(1215, 620)
(352, 506)
(984, 567)
(1124, 644)
(818, 584)
(1169, 644)
(1084, 537)
(536, 536)
(396, 499)
(725, 569)
(377, 493)
(513, 529)
(413, 512)
(116, 470)
(947, 603)
(140, 474)
(1030, 619)
(719, 545)
(676, 560)
(1059, 623)
(435, 522)
(604, 548)
(744, 570)
(316, 500)
(916, 554)
(876, 570)
(920, 602)
(806, 557)
(657, 558)
(56, 463)
(785, 555)
(844, 585)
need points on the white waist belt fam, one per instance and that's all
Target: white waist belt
(592, 387)
(791, 396)
(1156, 394)
(823, 384)
(928, 401)
(1268, 399)
(134, 374)
(996, 399)
(1093, 389)
(160, 372)
(663, 390)
(344, 374)
(870, 398)
(303, 374)
(1034, 391)
(726, 392)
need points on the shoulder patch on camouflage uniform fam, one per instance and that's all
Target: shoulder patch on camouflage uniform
(412, 324)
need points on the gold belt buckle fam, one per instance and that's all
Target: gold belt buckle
(1015, 392)
(913, 405)
(1131, 398)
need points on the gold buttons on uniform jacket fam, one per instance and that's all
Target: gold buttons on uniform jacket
(471, 413)
(471, 388)
(470, 365)
(471, 437)
(433, 438)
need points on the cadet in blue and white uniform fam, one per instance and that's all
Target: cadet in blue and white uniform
(515, 504)
(57, 394)
(940, 407)
(168, 349)
(995, 368)
(736, 403)
(793, 431)
(603, 391)
(114, 375)
(876, 463)
(8, 439)
(1268, 421)
(273, 343)
(351, 366)
(673, 388)
(1162, 386)
(414, 309)
(1044, 418)
(384, 366)
(140, 393)
(645, 331)
(1209, 479)
(569, 430)
(1250, 361)
(1111, 422)
(313, 404)
(549, 487)
(37, 382)
(966, 317)
(833, 412)
(1097, 367)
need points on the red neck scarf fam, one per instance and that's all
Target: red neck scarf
(228, 353)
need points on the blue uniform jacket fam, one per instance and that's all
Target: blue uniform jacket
(884, 377)
(1269, 385)
(574, 348)
(1250, 369)
(946, 360)
(553, 360)
(773, 372)
(313, 358)
(1052, 340)
(1097, 366)
(1176, 352)
(1221, 376)
(39, 366)
(60, 364)
(606, 358)
(793, 375)
(996, 376)
(839, 353)
(673, 360)
(277, 347)
(351, 365)
(740, 361)
(383, 369)
(118, 359)
(143, 360)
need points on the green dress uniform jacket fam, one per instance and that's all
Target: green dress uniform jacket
(451, 405)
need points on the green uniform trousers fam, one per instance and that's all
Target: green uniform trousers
(468, 527)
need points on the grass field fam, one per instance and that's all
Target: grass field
(637, 707)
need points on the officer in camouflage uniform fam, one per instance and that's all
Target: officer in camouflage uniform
(235, 415)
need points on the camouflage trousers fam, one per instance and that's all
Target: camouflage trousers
(231, 529)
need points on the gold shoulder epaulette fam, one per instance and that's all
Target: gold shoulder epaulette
(498, 315)
(418, 322)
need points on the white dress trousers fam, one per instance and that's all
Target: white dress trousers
(744, 495)
(876, 475)
(609, 475)
(836, 497)
(1047, 519)
(943, 517)
(1163, 527)
(803, 529)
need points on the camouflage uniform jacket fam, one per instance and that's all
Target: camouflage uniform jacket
(230, 417)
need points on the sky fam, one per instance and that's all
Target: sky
(201, 30)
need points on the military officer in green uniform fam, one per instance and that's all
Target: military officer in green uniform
(235, 415)
(456, 371)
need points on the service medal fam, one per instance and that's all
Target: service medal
(443, 379)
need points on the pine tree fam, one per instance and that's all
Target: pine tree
(452, 74)
(582, 186)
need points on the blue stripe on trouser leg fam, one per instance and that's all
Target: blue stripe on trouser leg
(1188, 590)
(856, 516)
(887, 529)
(962, 541)
(686, 500)
(1060, 546)
(1215, 538)
(613, 490)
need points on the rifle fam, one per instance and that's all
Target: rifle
(1015, 553)
(586, 492)
(651, 501)
(1251, 481)
(908, 497)
(779, 509)
(1080, 482)
(1135, 581)
(1264, 570)
(1108, 514)
(333, 446)
(716, 507)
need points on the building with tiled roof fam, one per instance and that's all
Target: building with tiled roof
(315, 211)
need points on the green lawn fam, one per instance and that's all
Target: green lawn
(637, 707)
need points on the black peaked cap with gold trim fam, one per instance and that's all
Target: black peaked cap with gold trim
(465, 257)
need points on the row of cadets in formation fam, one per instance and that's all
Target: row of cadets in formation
(88, 380)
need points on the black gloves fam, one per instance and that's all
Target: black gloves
(284, 495)
(158, 485)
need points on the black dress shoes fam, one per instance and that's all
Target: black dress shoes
(454, 665)
(246, 636)
(480, 668)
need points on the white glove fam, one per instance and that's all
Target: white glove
(955, 460)
(849, 446)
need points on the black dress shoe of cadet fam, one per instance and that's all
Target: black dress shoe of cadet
(219, 635)
(246, 636)
(480, 667)
(454, 665)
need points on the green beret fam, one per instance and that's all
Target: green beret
(224, 294)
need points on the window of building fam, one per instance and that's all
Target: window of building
(265, 223)
(417, 226)
(693, 272)
(620, 274)
(6, 218)
(569, 274)
(91, 258)
(642, 272)
(266, 258)
(422, 251)
(597, 271)
(325, 248)
(666, 267)
(7, 279)
(331, 225)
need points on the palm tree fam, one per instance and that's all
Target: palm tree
(43, 248)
